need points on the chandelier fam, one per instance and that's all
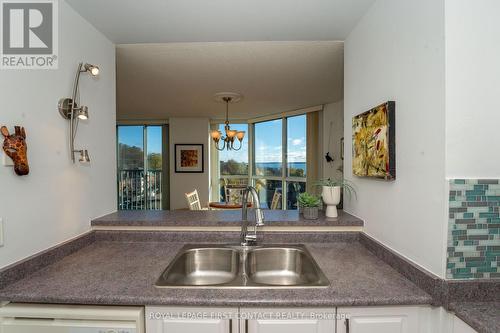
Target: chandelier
(227, 142)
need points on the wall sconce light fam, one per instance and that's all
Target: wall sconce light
(84, 156)
(92, 69)
(69, 109)
(82, 112)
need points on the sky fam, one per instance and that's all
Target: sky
(297, 139)
(133, 136)
(268, 145)
(268, 137)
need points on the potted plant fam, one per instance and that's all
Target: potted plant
(331, 192)
(310, 205)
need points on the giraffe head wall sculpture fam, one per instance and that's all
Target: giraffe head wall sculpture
(15, 147)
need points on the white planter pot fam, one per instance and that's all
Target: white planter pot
(331, 197)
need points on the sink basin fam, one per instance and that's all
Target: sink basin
(268, 266)
(202, 267)
(282, 267)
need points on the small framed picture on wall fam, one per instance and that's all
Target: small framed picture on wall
(189, 158)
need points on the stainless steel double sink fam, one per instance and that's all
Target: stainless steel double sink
(219, 266)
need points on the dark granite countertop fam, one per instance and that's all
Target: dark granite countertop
(484, 317)
(123, 273)
(218, 218)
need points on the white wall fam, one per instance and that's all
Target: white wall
(188, 130)
(396, 52)
(472, 89)
(333, 121)
(57, 199)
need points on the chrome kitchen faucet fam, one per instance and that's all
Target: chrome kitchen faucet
(250, 239)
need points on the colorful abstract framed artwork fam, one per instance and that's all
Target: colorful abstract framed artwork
(189, 158)
(374, 142)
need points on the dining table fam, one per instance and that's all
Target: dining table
(227, 205)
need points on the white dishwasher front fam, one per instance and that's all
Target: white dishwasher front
(35, 318)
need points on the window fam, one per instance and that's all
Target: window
(141, 180)
(296, 159)
(276, 163)
(233, 164)
(268, 148)
(296, 146)
(279, 169)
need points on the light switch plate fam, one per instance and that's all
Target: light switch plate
(6, 160)
(1, 232)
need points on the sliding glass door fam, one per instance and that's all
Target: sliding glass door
(142, 167)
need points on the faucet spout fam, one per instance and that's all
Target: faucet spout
(250, 239)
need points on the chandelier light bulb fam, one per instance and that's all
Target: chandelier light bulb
(216, 135)
(240, 135)
(231, 133)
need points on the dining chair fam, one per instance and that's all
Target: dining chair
(234, 193)
(276, 200)
(236, 181)
(193, 201)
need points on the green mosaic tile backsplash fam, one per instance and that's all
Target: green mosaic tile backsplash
(474, 229)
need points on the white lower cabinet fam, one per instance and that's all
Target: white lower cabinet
(400, 319)
(287, 320)
(191, 320)
(245, 320)
(387, 319)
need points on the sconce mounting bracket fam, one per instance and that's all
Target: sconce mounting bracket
(64, 107)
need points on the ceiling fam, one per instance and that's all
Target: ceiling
(173, 55)
(158, 81)
(165, 21)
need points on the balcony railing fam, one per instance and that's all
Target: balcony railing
(139, 190)
(266, 188)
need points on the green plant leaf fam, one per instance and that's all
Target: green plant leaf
(308, 200)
